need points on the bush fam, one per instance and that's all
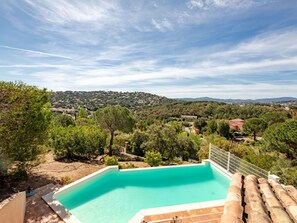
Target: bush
(78, 142)
(129, 166)
(116, 149)
(3, 165)
(65, 180)
(111, 161)
(153, 158)
(64, 120)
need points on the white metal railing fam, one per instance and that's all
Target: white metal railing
(234, 164)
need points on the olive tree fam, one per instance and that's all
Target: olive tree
(114, 118)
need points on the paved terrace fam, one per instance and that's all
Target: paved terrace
(37, 210)
(203, 215)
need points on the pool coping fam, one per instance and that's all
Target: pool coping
(175, 208)
(57, 207)
(66, 216)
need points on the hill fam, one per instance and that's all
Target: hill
(208, 110)
(93, 100)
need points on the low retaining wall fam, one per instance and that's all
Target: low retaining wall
(12, 210)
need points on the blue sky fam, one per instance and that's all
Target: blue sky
(175, 48)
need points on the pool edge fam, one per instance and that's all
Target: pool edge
(139, 216)
(66, 216)
(58, 208)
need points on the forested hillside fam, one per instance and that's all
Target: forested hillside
(214, 110)
(93, 100)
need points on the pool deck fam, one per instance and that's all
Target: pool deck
(37, 210)
(205, 215)
(190, 210)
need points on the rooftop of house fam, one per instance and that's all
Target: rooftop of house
(256, 200)
(237, 120)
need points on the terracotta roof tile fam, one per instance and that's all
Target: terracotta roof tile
(255, 200)
(292, 191)
(255, 207)
(287, 201)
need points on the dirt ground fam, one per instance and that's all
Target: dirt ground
(52, 171)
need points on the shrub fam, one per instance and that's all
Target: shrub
(111, 161)
(129, 166)
(65, 180)
(78, 142)
(3, 165)
(116, 150)
(153, 158)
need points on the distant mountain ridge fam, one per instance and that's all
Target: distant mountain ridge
(241, 101)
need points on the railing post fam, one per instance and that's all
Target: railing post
(209, 151)
(228, 164)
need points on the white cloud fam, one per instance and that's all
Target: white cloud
(213, 4)
(280, 43)
(67, 11)
(240, 61)
(128, 60)
(36, 52)
(162, 25)
(195, 4)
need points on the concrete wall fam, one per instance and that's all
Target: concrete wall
(12, 210)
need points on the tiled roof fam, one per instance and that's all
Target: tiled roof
(255, 200)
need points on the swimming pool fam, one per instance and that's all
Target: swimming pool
(116, 196)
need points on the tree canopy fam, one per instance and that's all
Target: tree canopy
(283, 138)
(254, 126)
(114, 118)
(24, 122)
(78, 142)
(224, 129)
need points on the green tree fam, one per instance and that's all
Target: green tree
(137, 140)
(223, 129)
(282, 137)
(273, 117)
(63, 120)
(153, 158)
(114, 118)
(83, 113)
(141, 125)
(177, 125)
(162, 138)
(211, 126)
(254, 126)
(187, 147)
(78, 142)
(200, 124)
(24, 122)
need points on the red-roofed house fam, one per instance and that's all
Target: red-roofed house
(236, 124)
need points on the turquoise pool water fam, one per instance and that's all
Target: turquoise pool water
(117, 196)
